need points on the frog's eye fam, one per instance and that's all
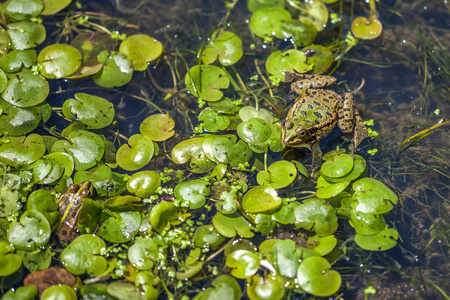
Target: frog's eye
(301, 133)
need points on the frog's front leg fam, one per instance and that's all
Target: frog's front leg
(349, 119)
(316, 157)
(303, 82)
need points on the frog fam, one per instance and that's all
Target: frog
(316, 112)
(69, 206)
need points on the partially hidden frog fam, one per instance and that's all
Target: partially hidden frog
(69, 206)
(316, 112)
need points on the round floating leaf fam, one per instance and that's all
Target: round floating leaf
(319, 56)
(21, 151)
(314, 12)
(205, 81)
(95, 112)
(85, 147)
(323, 245)
(268, 21)
(19, 10)
(59, 60)
(192, 193)
(192, 151)
(22, 293)
(43, 202)
(286, 258)
(327, 190)
(223, 150)
(10, 262)
(9, 194)
(141, 49)
(264, 288)
(243, 263)
(381, 241)
(3, 81)
(31, 232)
(254, 5)
(223, 285)
(316, 215)
(144, 183)
(25, 89)
(337, 166)
(136, 156)
(280, 174)
(82, 255)
(228, 202)
(161, 214)
(36, 260)
(63, 292)
(89, 216)
(125, 290)
(261, 199)
(54, 6)
(16, 121)
(121, 227)
(302, 33)
(254, 131)
(158, 127)
(143, 253)
(230, 224)
(366, 224)
(207, 236)
(367, 29)
(14, 60)
(227, 46)
(373, 196)
(359, 166)
(25, 35)
(278, 63)
(117, 70)
(212, 121)
(315, 277)
(248, 112)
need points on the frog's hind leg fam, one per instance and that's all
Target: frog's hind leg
(303, 82)
(316, 158)
(349, 119)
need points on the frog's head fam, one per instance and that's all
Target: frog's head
(295, 136)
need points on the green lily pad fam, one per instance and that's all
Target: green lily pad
(96, 291)
(21, 151)
(286, 258)
(315, 277)
(367, 29)
(82, 255)
(161, 214)
(9, 194)
(19, 10)
(243, 263)
(229, 225)
(158, 127)
(278, 63)
(95, 112)
(117, 70)
(25, 89)
(16, 121)
(36, 260)
(227, 47)
(366, 224)
(143, 253)
(314, 12)
(136, 156)
(261, 199)
(43, 202)
(144, 183)
(301, 33)
(192, 193)
(191, 151)
(280, 174)
(373, 196)
(89, 216)
(206, 81)
(141, 49)
(319, 56)
(31, 232)
(264, 288)
(25, 35)
(316, 215)
(207, 236)
(249, 112)
(222, 285)
(59, 60)
(63, 292)
(15, 60)
(359, 166)
(337, 166)
(85, 147)
(223, 150)
(121, 227)
(228, 202)
(123, 290)
(323, 245)
(212, 121)
(51, 7)
(327, 190)
(106, 182)
(254, 131)
(22, 293)
(10, 262)
(382, 241)
(266, 22)
(3, 81)
(254, 5)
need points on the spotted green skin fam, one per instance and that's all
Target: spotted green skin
(315, 113)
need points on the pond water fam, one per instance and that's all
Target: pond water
(400, 80)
